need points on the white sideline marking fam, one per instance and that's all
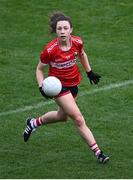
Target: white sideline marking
(108, 87)
(94, 91)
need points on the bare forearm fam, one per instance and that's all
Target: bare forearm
(85, 62)
(39, 74)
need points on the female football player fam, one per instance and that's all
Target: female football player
(61, 55)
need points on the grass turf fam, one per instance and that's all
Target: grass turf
(57, 151)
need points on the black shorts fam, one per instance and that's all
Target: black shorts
(66, 90)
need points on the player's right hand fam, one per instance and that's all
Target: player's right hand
(43, 94)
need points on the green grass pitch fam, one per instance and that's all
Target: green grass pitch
(56, 150)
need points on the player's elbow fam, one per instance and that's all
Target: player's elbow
(40, 67)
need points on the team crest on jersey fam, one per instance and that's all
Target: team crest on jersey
(76, 54)
(68, 57)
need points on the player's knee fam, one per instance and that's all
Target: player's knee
(79, 120)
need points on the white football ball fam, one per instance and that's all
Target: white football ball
(51, 86)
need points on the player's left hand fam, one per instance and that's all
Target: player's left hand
(93, 77)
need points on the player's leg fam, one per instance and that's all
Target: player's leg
(55, 116)
(70, 107)
(49, 117)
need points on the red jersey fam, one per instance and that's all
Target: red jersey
(62, 64)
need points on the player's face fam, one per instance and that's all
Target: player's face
(63, 30)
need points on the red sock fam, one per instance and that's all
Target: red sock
(37, 122)
(94, 147)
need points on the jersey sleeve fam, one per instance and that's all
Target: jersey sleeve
(44, 56)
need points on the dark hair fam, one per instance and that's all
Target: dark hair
(58, 16)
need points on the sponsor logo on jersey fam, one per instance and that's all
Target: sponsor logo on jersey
(63, 65)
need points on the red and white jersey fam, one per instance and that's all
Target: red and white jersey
(62, 64)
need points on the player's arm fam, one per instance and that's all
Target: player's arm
(40, 73)
(40, 77)
(85, 62)
(93, 77)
